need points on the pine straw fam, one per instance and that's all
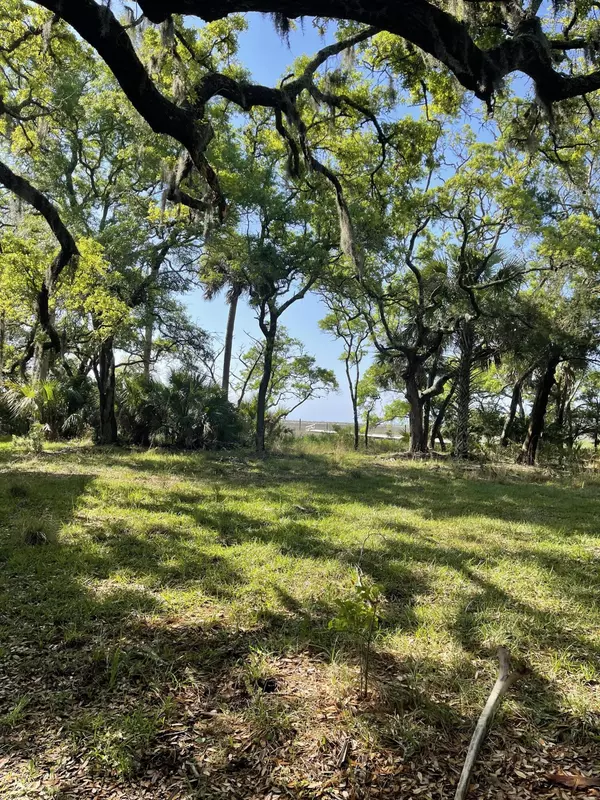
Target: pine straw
(271, 731)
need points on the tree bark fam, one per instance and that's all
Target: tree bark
(41, 361)
(2, 347)
(352, 386)
(538, 411)
(418, 442)
(68, 249)
(463, 389)
(512, 413)
(427, 404)
(356, 423)
(516, 405)
(432, 29)
(150, 310)
(43, 358)
(106, 380)
(263, 389)
(436, 431)
(561, 400)
(570, 436)
(426, 418)
(148, 342)
(367, 423)
(233, 303)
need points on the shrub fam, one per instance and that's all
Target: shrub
(187, 412)
(33, 440)
(63, 407)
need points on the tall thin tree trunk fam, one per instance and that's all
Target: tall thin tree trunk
(148, 342)
(436, 431)
(427, 404)
(418, 443)
(570, 436)
(354, 398)
(426, 418)
(2, 347)
(509, 420)
(538, 411)
(106, 380)
(560, 404)
(28, 353)
(233, 304)
(466, 340)
(367, 423)
(263, 389)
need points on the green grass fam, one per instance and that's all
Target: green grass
(148, 597)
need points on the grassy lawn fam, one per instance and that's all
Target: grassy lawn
(164, 625)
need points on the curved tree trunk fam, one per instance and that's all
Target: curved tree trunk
(538, 411)
(233, 303)
(28, 352)
(106, 380)
(263, 389)
(466, 341)
(441, 440)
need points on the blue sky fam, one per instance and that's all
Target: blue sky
(268, 57)
(264, 53)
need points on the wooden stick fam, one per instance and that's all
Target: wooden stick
(504, 681)
(345, 749)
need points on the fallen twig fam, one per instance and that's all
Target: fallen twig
(343, 754)
(504, 681)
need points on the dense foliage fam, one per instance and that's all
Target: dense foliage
(456, 255)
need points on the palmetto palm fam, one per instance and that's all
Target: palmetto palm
(61, 406)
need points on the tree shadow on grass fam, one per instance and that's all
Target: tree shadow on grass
(441, 494)
(83, 664)
(64, 586)
(107, 658)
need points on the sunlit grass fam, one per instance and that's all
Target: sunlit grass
(257, 551)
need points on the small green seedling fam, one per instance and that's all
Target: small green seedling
(357, 616)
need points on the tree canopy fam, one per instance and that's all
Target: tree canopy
(454, 242)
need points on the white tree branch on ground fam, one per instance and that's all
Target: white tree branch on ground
(505, 680)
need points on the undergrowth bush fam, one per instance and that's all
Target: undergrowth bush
(63, 407)
(187, 412)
